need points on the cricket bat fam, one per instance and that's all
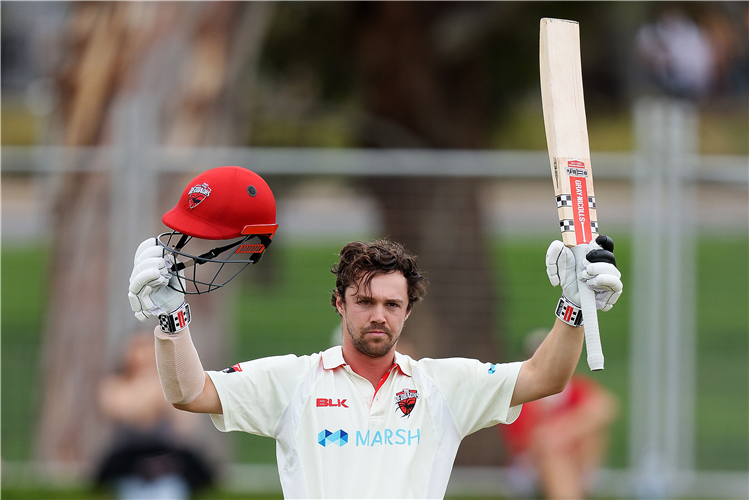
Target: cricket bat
(569, 155)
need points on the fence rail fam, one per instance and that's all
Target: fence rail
(729, 169)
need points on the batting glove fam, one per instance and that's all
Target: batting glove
(560, 267)
(598, 271)
(600, 274)
(149, 292)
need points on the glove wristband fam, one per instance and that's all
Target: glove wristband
(176, 320)
(569, 312)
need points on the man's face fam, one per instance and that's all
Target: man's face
(373, 318)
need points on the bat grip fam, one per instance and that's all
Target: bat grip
(590, 315)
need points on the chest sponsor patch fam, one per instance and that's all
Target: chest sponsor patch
(405, 401)
(323, 402)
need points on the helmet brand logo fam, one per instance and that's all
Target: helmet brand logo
(250, 248)
(197, 194)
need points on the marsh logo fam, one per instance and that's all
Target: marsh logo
(339, 437)
(389, 437)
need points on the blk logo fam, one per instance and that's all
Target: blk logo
(329, 402)
(339, 437)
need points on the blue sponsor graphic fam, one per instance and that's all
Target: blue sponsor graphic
(492, 368)
(388, 437)
(339, 437)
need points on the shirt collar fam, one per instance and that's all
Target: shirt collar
(333, 358)
(404, 363)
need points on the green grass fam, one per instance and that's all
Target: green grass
(92, 494)
(722, 347)
(24, 295)
(283, 306)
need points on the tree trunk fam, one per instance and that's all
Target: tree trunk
(186, 56)
(409, 87)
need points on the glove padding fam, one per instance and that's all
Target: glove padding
(598, 271)
(149, 292)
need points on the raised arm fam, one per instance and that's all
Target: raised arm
(549, 370)
(551, 366)
(183, 380)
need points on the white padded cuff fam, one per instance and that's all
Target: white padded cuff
(180, 370)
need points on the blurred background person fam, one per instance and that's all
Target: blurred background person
(149, 457)
(679, 53)
(558, 442)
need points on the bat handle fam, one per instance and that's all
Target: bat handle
(590, 315)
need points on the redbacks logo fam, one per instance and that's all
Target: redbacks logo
(232, 369)
(197, 194)
(405, 401)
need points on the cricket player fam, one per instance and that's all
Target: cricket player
(362, 420)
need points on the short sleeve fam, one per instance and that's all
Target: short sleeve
(478, 394)
(254, 394)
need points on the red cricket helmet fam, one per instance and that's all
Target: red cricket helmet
(224, 203)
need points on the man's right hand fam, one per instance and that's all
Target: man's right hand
(149, 293)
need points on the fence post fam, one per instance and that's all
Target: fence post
(133, 203)
(662, 351)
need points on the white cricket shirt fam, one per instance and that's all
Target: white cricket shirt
(339, 437)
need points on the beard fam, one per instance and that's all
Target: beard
(374, 348)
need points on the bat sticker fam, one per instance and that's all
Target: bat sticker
(580, 205)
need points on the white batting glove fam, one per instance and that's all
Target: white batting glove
(600, 274)
(149, 293)
(560, 267)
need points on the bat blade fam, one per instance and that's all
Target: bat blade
(569, 155)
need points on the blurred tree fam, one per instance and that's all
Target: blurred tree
(188, 56)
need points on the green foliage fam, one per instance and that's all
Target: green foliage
(312, 40)
(724, 132)
(320, 130)
(17, 125)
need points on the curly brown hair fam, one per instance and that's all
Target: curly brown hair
(363, 261)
